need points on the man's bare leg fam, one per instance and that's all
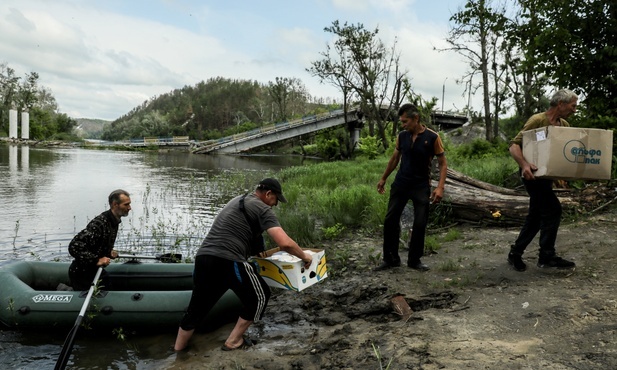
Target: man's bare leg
(235, 338)
(182, 339)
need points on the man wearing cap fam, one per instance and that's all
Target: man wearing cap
(221, 263)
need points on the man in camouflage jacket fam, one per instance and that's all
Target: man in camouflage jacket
(93, 247)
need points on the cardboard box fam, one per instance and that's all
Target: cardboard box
(277, 270)
(569, 153)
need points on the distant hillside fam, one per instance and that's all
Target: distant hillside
(215, 108)
(88, 128)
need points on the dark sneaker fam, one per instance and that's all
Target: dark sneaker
(418, 266)
(516, 261)
(385, 266)
(557, 262)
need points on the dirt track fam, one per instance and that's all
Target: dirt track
(471, 310)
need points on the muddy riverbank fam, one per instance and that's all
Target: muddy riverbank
(470, 311)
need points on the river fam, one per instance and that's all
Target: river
(47, 195)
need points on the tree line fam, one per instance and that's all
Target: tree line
(25, 95)
(216, 107)
(518, 53)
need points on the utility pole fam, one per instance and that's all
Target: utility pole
(443, 93)
(469, 100)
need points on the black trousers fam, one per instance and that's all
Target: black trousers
(81, 276)
(212, 277)
(544, 216)
(399, 196)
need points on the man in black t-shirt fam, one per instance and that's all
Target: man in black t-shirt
(415, 148)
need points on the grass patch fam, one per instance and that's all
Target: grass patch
(336, 195)
(339, 260)
(326, 200)
(431, 244)
(456, 282)
(449, 266)
(452, 235)
(494, 170)
(469, 246)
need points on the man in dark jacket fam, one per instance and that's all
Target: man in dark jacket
(93, 247)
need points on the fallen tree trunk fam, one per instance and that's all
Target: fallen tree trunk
(470, 200)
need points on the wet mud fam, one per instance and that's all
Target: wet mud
(470, 311)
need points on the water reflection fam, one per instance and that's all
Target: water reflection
(50, 194)
(25, 158)
(47, 195)
(17, 168)
(13, 159)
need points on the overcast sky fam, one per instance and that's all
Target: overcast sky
(102, 58)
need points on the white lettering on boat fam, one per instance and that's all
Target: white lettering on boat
(52, 298)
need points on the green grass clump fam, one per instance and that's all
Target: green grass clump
(493, 170)
(336, 193)
(325, 200)
(342, 195)
(431, 244)
(484, 161)
(449, 266)
(452, 235)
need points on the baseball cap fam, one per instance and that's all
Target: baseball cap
(274, 186)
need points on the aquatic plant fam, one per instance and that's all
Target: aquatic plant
(15, 235)
(380, 359)
(11, 308)
(324, 200)
(177, 217)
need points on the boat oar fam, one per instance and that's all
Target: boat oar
(165, 258)
(70, 339)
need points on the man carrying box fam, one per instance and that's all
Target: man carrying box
(222, 262)
(544, 207)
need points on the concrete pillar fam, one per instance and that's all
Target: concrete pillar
(355, 137)
(25, 125)
(12, 124)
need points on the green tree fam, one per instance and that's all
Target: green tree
(28, 91)
(26, 95)
(152, 124)
(365, 68)
(9, 84)
(336, 68)
(64, 123)
(574, 46)
(525, 84)
(46, 100)
(42, 124)
(477, 34)
(289, 95)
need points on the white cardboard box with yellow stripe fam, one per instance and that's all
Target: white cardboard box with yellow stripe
(282, 270)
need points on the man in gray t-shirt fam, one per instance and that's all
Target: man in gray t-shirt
(221, 263)
(231, 235)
